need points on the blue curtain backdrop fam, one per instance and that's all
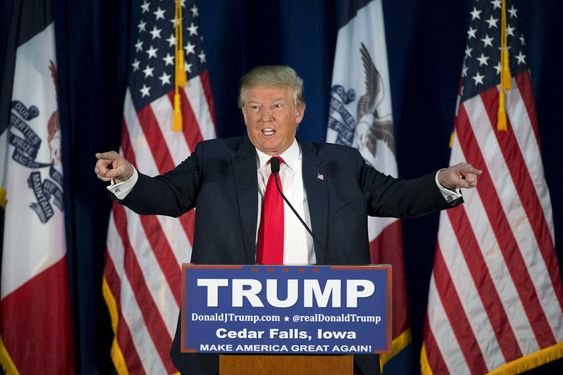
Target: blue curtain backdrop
(425, 44)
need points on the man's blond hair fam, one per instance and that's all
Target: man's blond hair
(272, 76)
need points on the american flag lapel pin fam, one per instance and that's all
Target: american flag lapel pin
(320, 176)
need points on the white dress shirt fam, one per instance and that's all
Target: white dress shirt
(297, 244)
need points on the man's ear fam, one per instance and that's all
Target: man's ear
(300, 112)
(244, 115)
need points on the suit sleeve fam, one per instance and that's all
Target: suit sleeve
(170, 194)
(396, 197)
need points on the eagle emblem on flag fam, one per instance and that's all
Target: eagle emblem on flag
(369, 125)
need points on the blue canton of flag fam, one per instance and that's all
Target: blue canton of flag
(481, 65)
(153, 64)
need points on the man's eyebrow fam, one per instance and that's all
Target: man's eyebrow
(256, 101)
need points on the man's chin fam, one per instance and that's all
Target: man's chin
(270, 148)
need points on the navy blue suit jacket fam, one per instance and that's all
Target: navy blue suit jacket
(220, 179)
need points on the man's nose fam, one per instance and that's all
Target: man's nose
(266, 114)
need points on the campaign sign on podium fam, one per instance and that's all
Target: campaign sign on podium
(286, 309)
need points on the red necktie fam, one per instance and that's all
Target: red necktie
(270, 234)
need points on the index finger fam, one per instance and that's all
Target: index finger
(468, 168)
(109, 155)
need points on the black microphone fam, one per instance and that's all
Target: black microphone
(275, 166)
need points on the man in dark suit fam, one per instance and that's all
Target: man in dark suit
(331, 187)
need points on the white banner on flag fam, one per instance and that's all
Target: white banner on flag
(33, 154)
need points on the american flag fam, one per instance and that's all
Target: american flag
(495, 300)
(360, 116)
(142, 274)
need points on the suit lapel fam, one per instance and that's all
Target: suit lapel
(246, 184)
(314, 179)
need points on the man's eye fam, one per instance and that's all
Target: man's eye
(278, 106)
(254, 107)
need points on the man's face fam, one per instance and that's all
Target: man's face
(271, 118)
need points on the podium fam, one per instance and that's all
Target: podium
(286, 320)
(292, 364)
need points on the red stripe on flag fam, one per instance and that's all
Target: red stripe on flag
(456, 315)
(433, 354)
(151, 315)
(126, 146)
(206, 83)
(163, 253)
(123, 335)
(484, 284)
(39, 313)
(125, 340)
(387, 248)
(524, 83)
(112, 278)
(526, 192)
(192, 132)
(505, 238)
(187, 221)
(153, 231)
(154, 137)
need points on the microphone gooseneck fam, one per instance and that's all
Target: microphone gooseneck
(275, 167)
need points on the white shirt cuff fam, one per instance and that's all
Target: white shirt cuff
(121, 189)
(448, 194)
